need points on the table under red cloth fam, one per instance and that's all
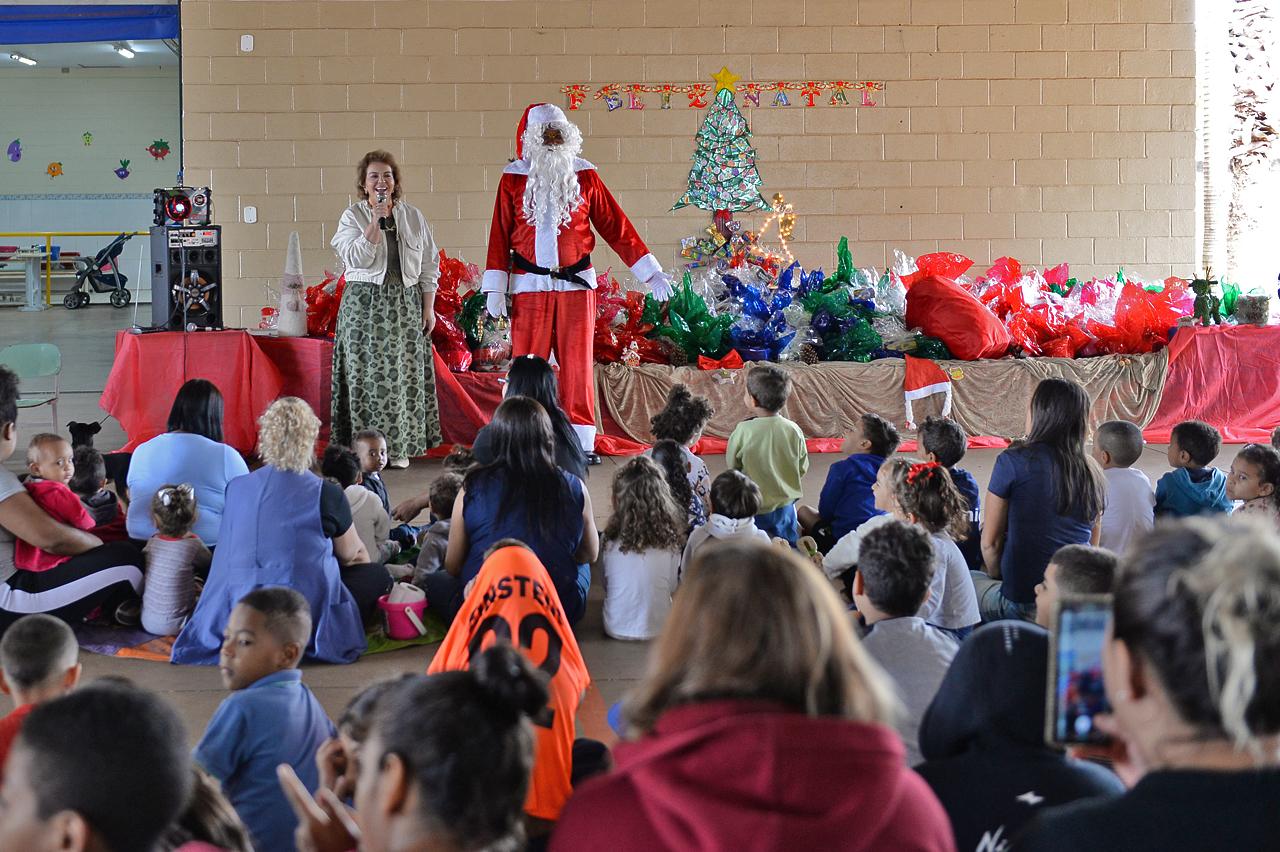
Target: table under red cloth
(1227, 376)
(150, 368)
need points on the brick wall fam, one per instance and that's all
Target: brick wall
(1050, 130)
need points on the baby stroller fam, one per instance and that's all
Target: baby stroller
(102, 273)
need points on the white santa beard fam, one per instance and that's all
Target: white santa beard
(552, 191)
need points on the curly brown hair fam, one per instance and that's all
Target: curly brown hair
(926, 490)
(683, 417)
(645, 517)
(362, 171)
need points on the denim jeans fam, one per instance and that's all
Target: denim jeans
(781, 523)
(993, 605)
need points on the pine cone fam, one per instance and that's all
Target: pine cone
(673, 352)
(809, 353)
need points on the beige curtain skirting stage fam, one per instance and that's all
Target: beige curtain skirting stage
(989, 397)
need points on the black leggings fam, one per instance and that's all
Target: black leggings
(103, 577)
(367, 583)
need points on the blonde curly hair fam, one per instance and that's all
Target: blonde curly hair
(287, 433)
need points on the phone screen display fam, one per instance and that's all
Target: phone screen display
(1076, 689)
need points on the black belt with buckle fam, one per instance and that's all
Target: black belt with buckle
(562, 273)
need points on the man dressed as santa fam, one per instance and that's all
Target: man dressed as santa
(540, 246)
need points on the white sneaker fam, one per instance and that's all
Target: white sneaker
(398, 464)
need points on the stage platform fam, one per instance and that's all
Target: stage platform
(1228, 376)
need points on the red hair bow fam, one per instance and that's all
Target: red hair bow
(914, 472)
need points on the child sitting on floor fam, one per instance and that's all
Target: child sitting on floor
(683, 420)
(370, 447)
(891, 588)
(38, 663)
(433, 540)
(270, 718)
(839, 562)
(89, 483)
(1117, 445)
(1075, 569)
(846, 500)
(642, 548)
(924, 494)
(1255, 481)
(735, 502)
(175, 557)
(771, 451)
(372, 523)
(671, 460)
(943, 441)
(1192, 487)
(51, 464)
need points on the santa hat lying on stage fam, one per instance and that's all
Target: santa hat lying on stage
(540, 243)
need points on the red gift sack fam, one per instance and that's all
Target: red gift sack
(943, 309)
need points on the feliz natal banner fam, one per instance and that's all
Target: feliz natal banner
(810, 92)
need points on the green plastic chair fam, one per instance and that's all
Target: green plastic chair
(35, 361)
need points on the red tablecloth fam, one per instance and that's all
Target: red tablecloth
(150, 368)
(1227, 376)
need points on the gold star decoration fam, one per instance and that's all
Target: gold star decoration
(725, 79)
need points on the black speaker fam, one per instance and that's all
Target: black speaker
(186, 277)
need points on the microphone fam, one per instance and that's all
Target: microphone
(382, 220)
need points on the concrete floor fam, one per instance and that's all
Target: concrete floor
(86, 338)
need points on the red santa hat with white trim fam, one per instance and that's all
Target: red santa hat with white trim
(924, 378)
(537, 114)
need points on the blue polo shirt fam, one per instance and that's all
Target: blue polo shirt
(274, 720)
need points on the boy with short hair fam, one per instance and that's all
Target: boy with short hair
(89, 483)
(38, 663)
(433, 541)
(943, 441)
(1192, 487)
(1130, 509)
(51, 464)
(846, 501)
(102, 769)
(370, 447)
(373, 525)
(735, 501)
(895, 568)
(270, 717)
(1077, 569)
(771, 451)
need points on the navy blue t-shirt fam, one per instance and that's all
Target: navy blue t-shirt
(971, 547)
(1027, 478)
(847, 501)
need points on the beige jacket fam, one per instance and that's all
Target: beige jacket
(366, 261)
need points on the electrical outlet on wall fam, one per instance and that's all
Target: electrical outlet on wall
(250, 215)
(246, 43)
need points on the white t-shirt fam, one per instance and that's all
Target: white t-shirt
(1130, 507)
(844, 555)
(637, 591)
(953, 602)
(9, 486)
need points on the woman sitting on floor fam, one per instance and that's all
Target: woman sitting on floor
(285, 526)
(190, 451)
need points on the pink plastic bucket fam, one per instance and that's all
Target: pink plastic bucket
(404, 620)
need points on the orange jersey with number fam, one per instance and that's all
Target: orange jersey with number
(513, 600)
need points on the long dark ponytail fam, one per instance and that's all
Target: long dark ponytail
(1059, 419)
(523, 448)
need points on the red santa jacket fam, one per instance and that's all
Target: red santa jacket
(548, 247)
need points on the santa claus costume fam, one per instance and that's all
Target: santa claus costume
(540, 246)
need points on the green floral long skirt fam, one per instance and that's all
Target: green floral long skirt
(383, 375)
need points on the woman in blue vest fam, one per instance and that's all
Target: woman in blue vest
(285, 526)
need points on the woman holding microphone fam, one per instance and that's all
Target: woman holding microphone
(383, 376)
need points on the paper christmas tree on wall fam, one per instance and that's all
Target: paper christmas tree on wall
(724, 174)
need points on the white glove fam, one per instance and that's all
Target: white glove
(660, 286)
(496, 304)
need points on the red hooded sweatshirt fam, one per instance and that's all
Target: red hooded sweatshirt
(726, 776)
